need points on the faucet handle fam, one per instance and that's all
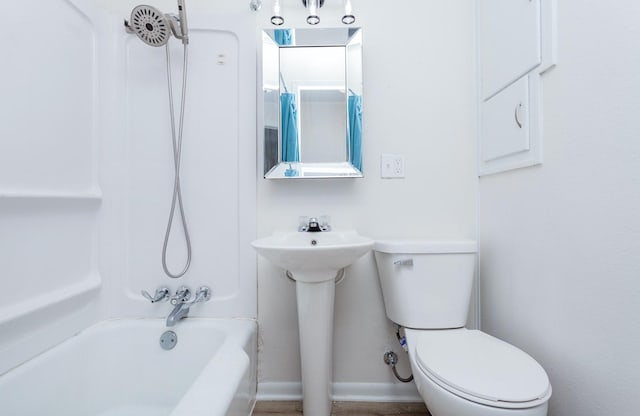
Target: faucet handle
(182, 295)
(162, 293)
(203, 294)
(303, 223)
(324, 223)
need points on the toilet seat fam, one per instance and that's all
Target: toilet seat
(481, 368)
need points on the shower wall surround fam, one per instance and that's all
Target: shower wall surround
(86, 170)
(50, 197)
(217, 169)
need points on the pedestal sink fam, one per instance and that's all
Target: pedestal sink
(313, 260)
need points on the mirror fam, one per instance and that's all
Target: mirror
(312, 96)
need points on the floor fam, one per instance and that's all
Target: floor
(344, 409)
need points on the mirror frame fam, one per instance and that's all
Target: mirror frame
(274, 166)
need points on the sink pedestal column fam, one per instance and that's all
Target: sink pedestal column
(315, 324)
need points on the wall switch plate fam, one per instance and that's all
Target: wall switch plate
(391, 166)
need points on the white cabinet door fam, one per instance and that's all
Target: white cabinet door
(509, 33)
(505, 123)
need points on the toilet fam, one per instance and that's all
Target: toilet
(426, 287)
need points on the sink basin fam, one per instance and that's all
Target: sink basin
(313, 257)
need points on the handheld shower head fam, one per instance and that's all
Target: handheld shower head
(150, 25)
(184, 29)
(154, 27)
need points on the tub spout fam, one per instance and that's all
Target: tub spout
(180, 311)
(182, 305)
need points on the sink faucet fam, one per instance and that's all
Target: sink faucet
(312, 225)
(183, 304)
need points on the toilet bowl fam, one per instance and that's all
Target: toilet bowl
(465, 372)
(426, 287)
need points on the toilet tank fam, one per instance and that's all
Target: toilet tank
(426, 284)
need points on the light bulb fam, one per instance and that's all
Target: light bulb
(276, 19)
(348, 17)
(313, 18)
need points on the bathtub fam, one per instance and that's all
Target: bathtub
(118, 368)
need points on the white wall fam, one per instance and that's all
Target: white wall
(418, 101)
(560, 244)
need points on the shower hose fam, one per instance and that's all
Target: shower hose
(176, 139)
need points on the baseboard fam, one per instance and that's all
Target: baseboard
(376, 392)
(343, 392)
(279, 391)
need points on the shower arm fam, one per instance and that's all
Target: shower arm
(128, 28)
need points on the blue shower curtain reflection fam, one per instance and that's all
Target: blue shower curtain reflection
(289, 127)
(355, 131)
(283, 37)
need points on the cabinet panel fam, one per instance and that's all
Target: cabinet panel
(509, 41)
(505, 122)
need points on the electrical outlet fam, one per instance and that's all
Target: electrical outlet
(391, 166)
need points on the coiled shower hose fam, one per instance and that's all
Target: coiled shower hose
(176, 139)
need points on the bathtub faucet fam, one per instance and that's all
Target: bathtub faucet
(183, 304)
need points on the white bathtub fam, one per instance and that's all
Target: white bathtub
(117, 368)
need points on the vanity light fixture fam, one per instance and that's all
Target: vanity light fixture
(311, 5)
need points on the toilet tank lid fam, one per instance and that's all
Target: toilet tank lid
(425, 246)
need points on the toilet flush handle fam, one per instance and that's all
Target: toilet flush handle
(403, 262)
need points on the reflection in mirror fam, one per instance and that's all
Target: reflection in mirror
(312, 96)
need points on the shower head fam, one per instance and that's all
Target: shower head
(150, 25)
(154, 27)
